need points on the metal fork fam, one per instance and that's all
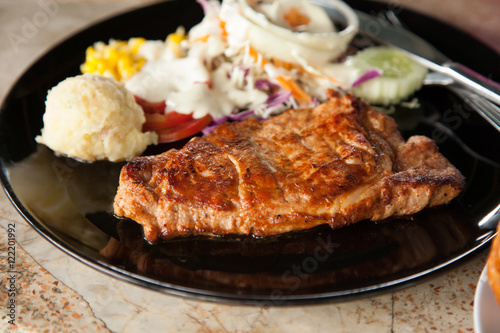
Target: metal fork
(487, 109)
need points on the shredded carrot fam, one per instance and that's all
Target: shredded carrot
(285, 82)
(289, 84)
(256, 56)
(201, 39)
(286, 65)
(289, 66)
(295, 18)
(335, 81)
(277, 62)
(204, 39)
(222, 25)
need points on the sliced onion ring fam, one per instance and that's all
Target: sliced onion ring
(315, 48)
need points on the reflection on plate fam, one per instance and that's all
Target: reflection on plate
(69, 203)
(486, 308)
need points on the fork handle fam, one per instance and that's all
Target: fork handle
(472, 80)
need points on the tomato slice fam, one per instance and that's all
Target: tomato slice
(150, 107)
(169, 119)
(182, 130)
(171, 126)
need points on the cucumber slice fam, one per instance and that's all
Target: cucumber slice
(401, 76)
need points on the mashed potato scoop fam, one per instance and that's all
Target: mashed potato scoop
(91, 117)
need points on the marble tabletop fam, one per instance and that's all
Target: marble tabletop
(56, 293)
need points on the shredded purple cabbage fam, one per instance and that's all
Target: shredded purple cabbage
(315, 102)
(368, 75)
(236, 116)
(241, 115)
(245, 69)
(278, 98)
(273, 100)
(209, 129)
(265, 85)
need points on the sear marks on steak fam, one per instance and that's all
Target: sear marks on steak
(338, 163)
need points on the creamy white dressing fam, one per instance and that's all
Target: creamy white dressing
(218, 98)
(152, 49)
(238, 87)
(188, 86)
(200, 100)
(210, 25)
(214, 75)
(158, 78)
(212, 48)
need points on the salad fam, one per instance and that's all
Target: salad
(250, 58)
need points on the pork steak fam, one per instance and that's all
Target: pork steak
(338, 163)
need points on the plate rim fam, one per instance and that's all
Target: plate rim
(201, 294)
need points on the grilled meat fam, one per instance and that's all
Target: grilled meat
(338, 163)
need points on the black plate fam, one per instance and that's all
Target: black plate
(67, 201)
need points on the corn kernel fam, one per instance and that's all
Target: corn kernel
(178, 36)
(127, 73)
(113, 59)
(124, 63)
(101, 67)
(134, 44)
(84, 68)
(90, 51)
(99, 46)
